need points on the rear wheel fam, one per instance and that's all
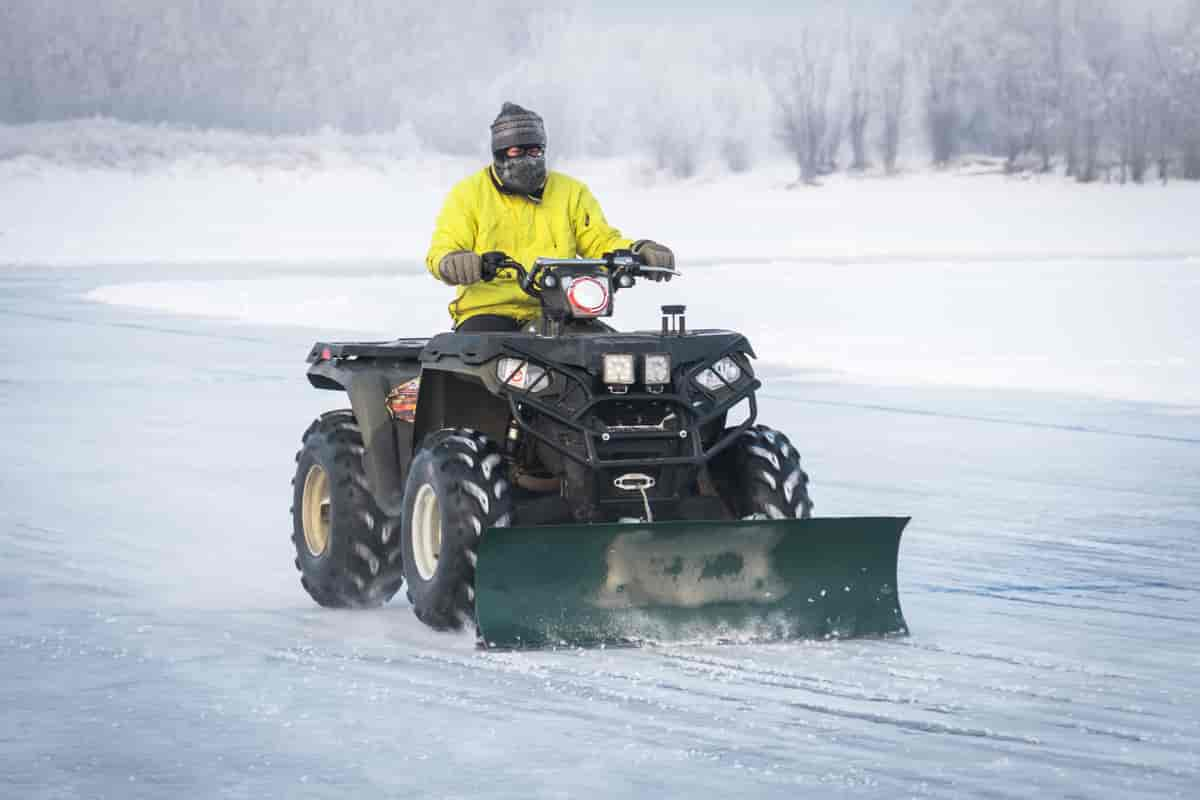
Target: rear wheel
(347, 550)
(456, 490)
(760, 476)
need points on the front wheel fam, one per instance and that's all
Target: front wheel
(455, 491)
(760, 476)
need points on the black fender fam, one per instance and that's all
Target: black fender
(450, 398)
(368, 392)
(388, 442)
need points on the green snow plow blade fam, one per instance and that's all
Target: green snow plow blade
(760, 580)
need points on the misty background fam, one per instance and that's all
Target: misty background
(1092, 89)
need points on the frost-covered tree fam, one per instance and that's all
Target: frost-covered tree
(1093, 58)
(677, 139)
(944, 45)
(802, 73)
(1014, 85)
(739, 107)
(1049, 97)
(270, 65)
(16, 95)
(1023, 75)
(831, 143)
(1135, 105)
(1165, 113)
(1184, 82)
(860, 68)
(893, 81)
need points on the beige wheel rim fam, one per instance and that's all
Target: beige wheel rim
(315, 511)
(426, 532)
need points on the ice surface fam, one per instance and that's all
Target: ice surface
(155, 640)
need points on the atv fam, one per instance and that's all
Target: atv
(570, 484)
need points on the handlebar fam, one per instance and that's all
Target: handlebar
(620, 264)
(494, 261)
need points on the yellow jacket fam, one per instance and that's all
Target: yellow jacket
(477, 216)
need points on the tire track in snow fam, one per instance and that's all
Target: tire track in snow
(780, 679)
(608, 702)
(790, 680)
(1022, 663)
(1052, 604)
(787, 679)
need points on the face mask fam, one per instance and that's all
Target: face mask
(523, 174)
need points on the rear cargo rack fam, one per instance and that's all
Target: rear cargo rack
(401, 349)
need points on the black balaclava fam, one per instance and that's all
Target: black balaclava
(519, 127)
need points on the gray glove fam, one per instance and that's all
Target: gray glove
(655, 255)
(461, 267)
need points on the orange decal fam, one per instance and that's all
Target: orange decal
(402, 401)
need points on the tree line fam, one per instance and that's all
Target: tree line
(1088, 88)
(1075, 85)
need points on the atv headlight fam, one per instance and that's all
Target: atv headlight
(657, 369)
(588, 297)
(618, 369)
(522, 375)
(726, 369)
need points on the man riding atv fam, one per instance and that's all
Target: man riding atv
(516, 206)
(566, 481)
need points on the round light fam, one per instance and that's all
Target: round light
(588, 295)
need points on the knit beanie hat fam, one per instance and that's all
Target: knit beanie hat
(517, 126)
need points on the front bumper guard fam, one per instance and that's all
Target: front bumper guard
(576, 420)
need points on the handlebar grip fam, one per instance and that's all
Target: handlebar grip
(493, 262)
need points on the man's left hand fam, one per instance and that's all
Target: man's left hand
(655, 255)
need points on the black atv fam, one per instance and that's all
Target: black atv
(571, 484)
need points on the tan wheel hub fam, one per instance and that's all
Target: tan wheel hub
(315, 511)
(426, 532)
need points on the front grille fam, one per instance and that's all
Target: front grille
(589, 426)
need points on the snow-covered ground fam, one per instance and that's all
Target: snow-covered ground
(1015, 364)
(202, 209)
(1122, 329)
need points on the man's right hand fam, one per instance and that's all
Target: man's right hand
(461, 267)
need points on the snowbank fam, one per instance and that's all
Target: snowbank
(238, 201)
(1120, 329)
